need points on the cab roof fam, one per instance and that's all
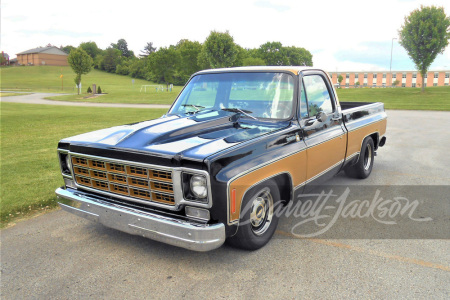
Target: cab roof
(293, 69)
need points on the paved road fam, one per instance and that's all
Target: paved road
(38, 98)
(61, 256)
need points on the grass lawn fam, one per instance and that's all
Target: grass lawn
(29, 136)
(434, 98)
(118, 88)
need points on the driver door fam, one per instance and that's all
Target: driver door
(322, 128)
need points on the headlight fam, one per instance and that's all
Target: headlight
(199, 186)
(68, 163)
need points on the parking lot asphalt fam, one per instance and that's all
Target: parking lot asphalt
(58, 255)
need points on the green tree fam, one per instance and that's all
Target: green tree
(188, 62)
(297, 56)
(148, 49)
(395, 83)
(162, 65)
(219, 50)
(124, 67)
(81, 64)
(110, 60)
(67, 48)
(91, 49)
(272, 54)
(340, 78)
(122, 45)
(275, 54)
(424, 35)
(138, 68)
(253, 61)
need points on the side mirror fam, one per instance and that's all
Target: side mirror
(321, 117)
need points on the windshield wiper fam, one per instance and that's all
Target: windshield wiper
(240, 111)
(197, 107)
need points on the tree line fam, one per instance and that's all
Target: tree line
(176, 63)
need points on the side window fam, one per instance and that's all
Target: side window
(319, 99)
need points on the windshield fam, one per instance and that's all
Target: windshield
(261, 95)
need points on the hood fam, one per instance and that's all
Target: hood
(195, 137)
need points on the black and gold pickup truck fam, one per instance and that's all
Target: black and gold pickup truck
(235, 144)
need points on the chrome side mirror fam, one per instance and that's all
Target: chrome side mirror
(321, 117)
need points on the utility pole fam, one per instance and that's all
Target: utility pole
(390, 67)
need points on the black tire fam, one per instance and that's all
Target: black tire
(258, 220)
(363, 167)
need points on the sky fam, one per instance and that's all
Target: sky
(345, 35)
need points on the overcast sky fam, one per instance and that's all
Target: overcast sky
(342, 35)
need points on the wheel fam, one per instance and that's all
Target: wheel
(258, 221)
(363, 167)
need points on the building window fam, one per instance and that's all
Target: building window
(384, 75)
(403, 84)
(414, 75)
(424, 85)
(346, 84)
(331, 75)
(426, 75)
(394, 76)
(374, 75)
(356, 75)
(413, 85)
(436, 75)
(404, 75)
(347, 75)
(447, 75)
(374, 85)
(434, 84)
(446, 84)
(365, 84)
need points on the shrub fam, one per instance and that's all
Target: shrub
(99, 90)
(89, 91)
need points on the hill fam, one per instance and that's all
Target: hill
(118, 88)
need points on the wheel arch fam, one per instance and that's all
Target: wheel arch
(284, 183)
(375, 136)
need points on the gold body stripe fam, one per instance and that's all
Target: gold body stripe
(318, 155)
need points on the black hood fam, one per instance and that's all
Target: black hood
(193, 137)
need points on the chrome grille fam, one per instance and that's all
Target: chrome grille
(148, 184)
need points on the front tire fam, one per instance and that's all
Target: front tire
(258, 220)
(363, 167)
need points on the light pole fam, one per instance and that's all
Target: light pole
(390, 66)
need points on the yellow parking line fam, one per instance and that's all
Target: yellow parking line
(414, 261)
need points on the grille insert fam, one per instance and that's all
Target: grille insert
(161, 175)
(135, 182)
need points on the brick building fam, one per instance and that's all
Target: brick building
(49, 56)
(385, 79)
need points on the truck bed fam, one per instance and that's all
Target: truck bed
(349, 105)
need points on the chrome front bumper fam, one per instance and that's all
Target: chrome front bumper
(192, 236)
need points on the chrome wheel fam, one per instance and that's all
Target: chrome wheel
(367, 157)
(261, 212)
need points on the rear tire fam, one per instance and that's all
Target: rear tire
(258, 220)
(363, 167)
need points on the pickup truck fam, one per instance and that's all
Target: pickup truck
(236, 143)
